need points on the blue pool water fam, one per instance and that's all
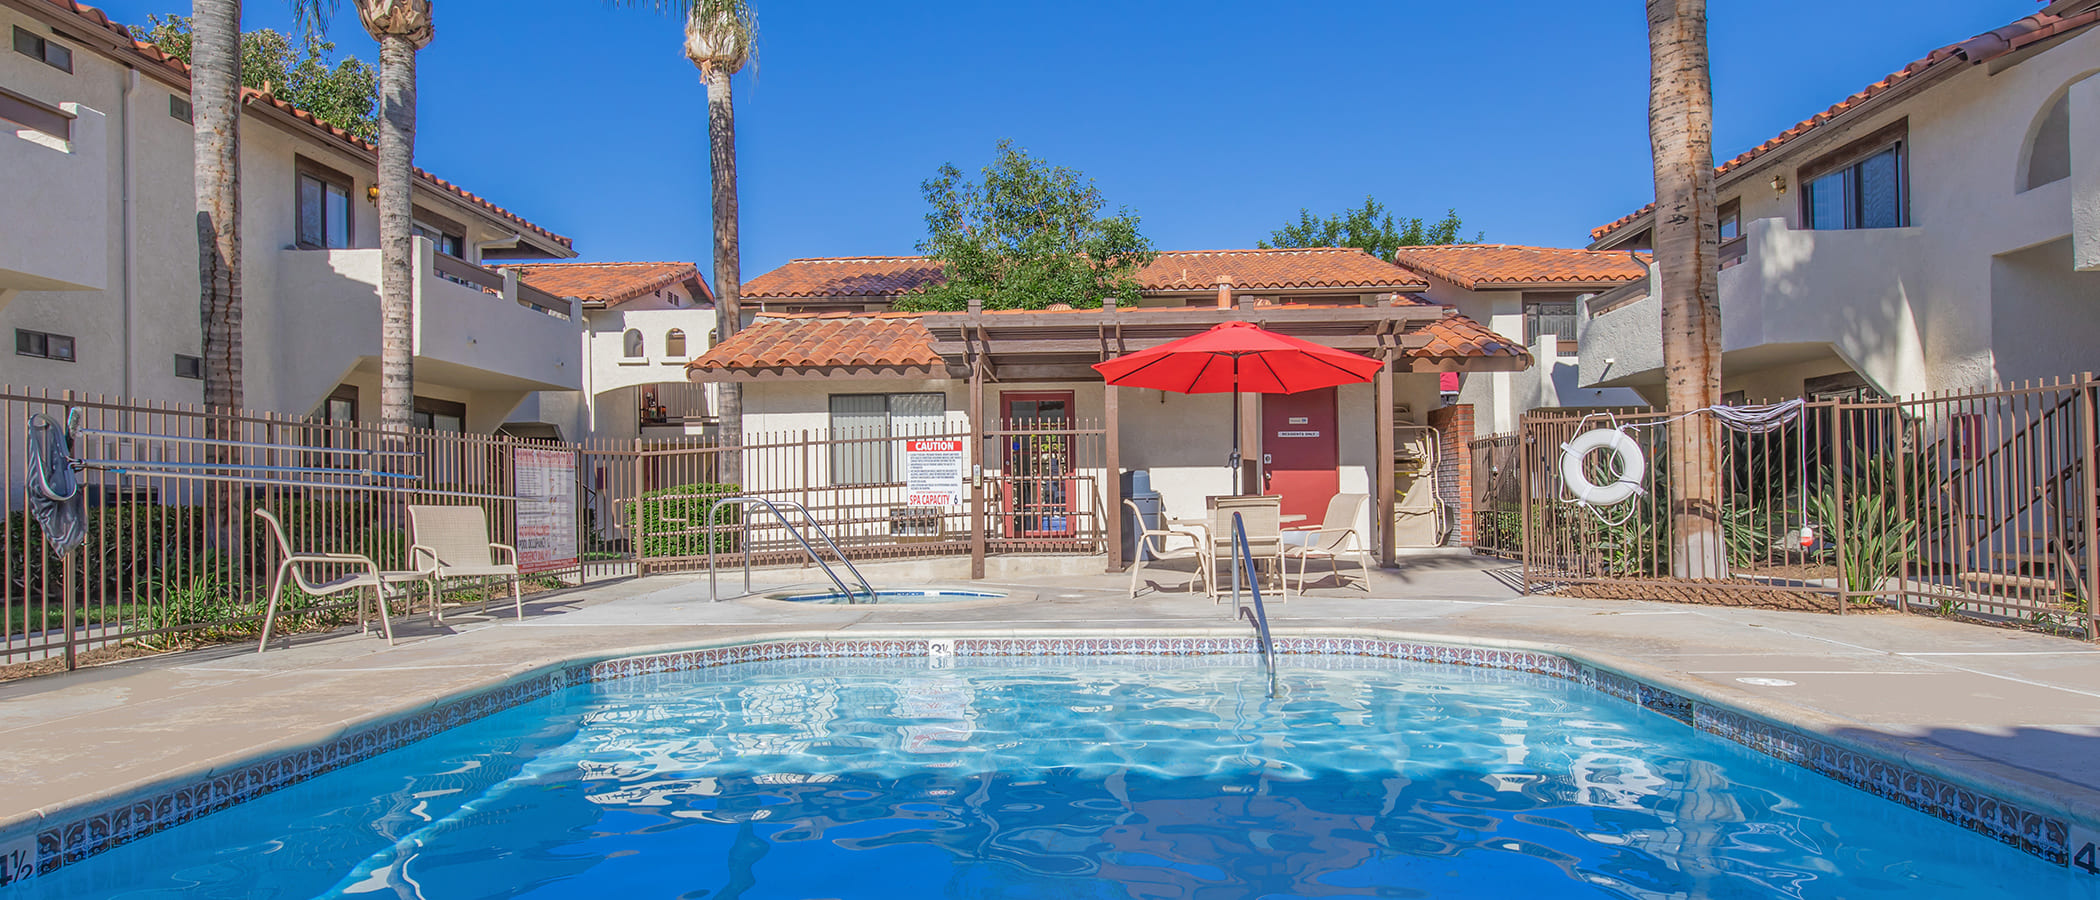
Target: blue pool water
(1111, 778)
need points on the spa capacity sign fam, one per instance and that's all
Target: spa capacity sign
(933, 471)
(546, 509)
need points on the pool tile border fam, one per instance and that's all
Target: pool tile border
(106, 826)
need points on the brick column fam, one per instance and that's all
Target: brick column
(1455, 424)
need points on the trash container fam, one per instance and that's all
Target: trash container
(1137, 488)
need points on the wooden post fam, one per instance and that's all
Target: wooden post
(1115, 477)
(977, 511)
(1382, 467)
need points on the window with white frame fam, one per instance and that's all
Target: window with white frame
(862, 429)
(631, 344)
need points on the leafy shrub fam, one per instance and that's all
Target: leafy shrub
(1879, 534)
(687, 504)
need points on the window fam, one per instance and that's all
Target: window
(179, 107)
(1842, 386)
(2049, 159)
(191, 367)
(43, 345)
(1731, 220)
(324, 208)
(1549, 314)
(859, 422)
(341, 406)
(38, 47)
(1859, 186)
(445, 242)
(674, 344)
(631, 344)
(439, 415)
(31, 114)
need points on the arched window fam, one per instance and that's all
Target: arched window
(632, 341)
(2049, 156)
(674, 344)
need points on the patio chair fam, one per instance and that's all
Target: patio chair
(1262, 519)
(361, 571)
(1153, 542)
(456, 540)
(1334, 537)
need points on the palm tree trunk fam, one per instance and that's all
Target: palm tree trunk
(721, 136)
(215, 101)
(397, 149)
(1687, 255)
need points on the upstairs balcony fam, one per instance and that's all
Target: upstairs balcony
(58, 178)
(474, 329)
(1788, 297)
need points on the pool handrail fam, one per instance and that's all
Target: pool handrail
(1258, 614)
(745, 502)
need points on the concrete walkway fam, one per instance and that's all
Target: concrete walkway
(2005, 708)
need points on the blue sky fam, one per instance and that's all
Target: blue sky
(1214, 120)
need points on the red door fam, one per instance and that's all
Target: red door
(1301, 455)
(1036, 485)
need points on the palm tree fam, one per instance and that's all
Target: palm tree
(215, 103)
(718, 37)
(1687, 256)
(401, 27)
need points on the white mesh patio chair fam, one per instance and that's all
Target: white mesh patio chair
(1261, 516)
(1336, 536)
(359, 573)
(1153, 542)
(455, 539)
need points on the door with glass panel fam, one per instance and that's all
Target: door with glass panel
(1036, 482)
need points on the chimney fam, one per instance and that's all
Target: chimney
(1224, 292)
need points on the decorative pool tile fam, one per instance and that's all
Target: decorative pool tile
(70, 840)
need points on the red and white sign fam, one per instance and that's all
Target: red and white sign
(933, 472)
(546, 491)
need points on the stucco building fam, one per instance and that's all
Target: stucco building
(642, 322)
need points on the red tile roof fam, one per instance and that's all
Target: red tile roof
(1340, 268)
(844, 342)
(845, 276)
(612, 283)
(1472, 266)
(1984, 47)
(830, 341)
(176, 70)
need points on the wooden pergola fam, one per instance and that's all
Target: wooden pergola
(1052, 346)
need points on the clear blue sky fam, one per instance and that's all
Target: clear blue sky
(1214, 120)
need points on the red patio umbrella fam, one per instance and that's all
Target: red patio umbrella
(1236, 357)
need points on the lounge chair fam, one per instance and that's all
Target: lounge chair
(361, 571)
(455, 540)
(1335, 536)
(1153, 542)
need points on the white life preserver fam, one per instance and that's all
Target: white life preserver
(1633, 467)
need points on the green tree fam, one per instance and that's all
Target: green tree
(1370, 228)
(343, 94)
(1029, 235)
(718, 41)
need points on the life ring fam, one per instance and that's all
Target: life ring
(1633, 466)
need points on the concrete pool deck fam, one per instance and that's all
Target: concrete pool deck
(2000, 707)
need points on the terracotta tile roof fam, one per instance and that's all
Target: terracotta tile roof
(123, 41)
(1457, 337)
(1472, 266)
(1984, 47)
(845, 341)
(1341, 268)
(611, 283)
(845, 276)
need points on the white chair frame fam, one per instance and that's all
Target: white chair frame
(1335, 537)
(362, 573)
(1153, 542)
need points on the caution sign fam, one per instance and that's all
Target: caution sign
(546, 490)
(933, 472)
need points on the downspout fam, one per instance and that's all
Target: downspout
(131, 84)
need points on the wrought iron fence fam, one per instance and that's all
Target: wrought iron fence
(1498, 496)
(174, 554)
(1980, 504)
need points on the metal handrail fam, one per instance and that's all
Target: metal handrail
(1258, 614)
(744, 502)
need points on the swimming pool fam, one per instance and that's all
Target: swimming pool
(1033, 777)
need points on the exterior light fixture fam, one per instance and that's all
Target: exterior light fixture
(372, 193)
(1779, 183)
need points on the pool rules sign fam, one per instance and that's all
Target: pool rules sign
(546, 490)
(933, 472)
